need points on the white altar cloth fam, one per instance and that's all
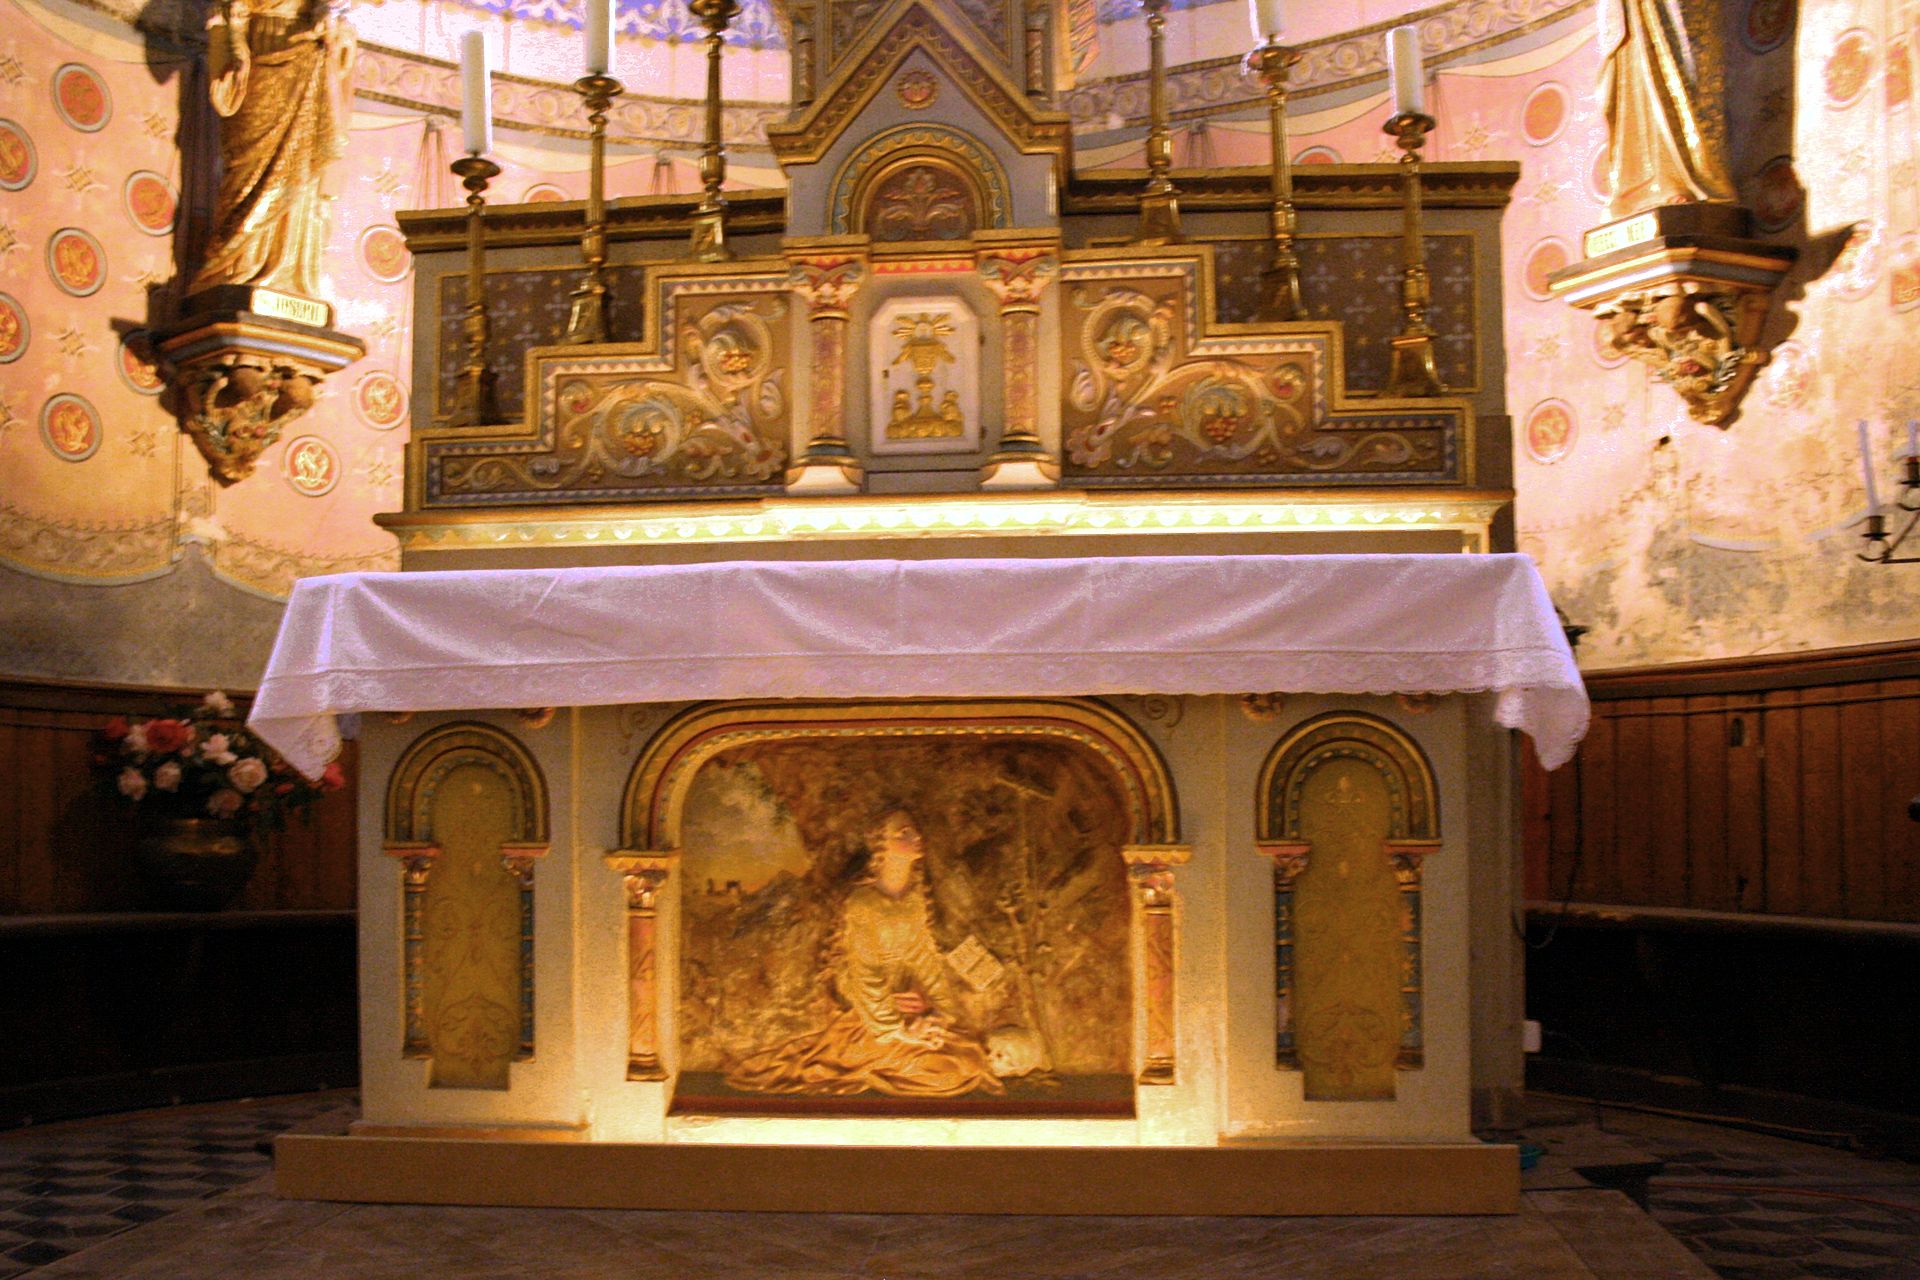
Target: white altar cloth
(927, 628)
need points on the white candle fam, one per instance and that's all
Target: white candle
(1403, 55)
(1866, 471)
(476, 94)
(599, 36)
(1268, 19)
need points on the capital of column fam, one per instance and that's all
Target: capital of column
(827, 282)
(416, 858)
(1151, 867)
(518, 858)
(1017, 277)
(1407, 856)
(1289, 857)
(645, 873)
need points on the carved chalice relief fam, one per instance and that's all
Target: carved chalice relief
(923, 346)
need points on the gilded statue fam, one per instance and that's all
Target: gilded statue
(279, 77)
(1662, 94)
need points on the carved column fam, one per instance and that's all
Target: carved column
(1151, 867)
(1018, 277)
(645, 875)
(1035, 27)
(1289, 858)
(518, 859)
(416, 858)
(803, 75)
(1406, 858)
(827, 283)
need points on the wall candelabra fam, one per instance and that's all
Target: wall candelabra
(1884, 547)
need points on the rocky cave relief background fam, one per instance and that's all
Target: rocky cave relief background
(1670, 540)
(1025, 892)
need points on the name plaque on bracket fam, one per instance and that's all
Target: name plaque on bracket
(1618, 235)
(924, 380)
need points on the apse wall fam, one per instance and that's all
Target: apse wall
(1670, 540)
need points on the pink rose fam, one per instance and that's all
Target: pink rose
(133, 783)
(217, 749)
(224, 804)
(218, 703)
(247, 774)
(136, 740)
(167, 776)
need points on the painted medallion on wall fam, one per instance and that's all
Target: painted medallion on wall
(1768, 24)
(76, 262)
(917, 89)
(1544, 116)
(383, 252)
(18, 161)
(312, 467)
(1857, 269)
(924, 382)
(1546, 257)
(1599, 175)
(1605, 354)
(1849, 68)
(1789, 376)
(1317, 155)
(150, 202)
(1550, 431)
(1778, 196)
(1903, 276)
(380, 400)
(15, 329)
(70, 427)
(139, 368)
(542, 193)
(81, 97)
(889, 925)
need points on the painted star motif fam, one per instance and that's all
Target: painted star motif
(1614, 416)
(12, 70)
(9, 239)
(1548, 192)
(72, 342)
(156, 126)
(387, 182)
(141, 443)
(1548, 348)
(375, 466)
(81, 178)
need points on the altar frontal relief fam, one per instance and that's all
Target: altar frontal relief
(932, 925)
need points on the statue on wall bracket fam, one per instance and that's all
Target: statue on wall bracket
(1675, 280)
(255, 337)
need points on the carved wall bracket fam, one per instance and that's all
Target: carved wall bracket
(1682, 290)
(241, 378)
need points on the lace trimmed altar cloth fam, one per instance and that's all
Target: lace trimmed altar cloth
(497, 638)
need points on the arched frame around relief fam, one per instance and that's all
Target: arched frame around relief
(1413, 832)
(411, 787)
(953, 150)
(653, 804)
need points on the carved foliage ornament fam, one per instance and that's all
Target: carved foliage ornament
(235, 409)
(1697, 342)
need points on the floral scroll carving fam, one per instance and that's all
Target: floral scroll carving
(1702, 344)
(234, 410)
(922, 202)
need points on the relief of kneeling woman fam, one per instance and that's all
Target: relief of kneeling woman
(901, 1031)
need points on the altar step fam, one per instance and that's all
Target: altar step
(1244, 1179)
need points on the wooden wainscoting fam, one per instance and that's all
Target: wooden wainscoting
(1774, 785)
(64, 843)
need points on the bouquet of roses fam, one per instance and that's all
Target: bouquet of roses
(202, 763)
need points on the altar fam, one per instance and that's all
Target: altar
(952, 879)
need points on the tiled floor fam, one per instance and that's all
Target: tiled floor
(184, 1194)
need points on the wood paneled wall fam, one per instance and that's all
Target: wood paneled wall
(64, 843)
(1772, 785)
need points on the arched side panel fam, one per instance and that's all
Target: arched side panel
(467, 814)
(1348, 810)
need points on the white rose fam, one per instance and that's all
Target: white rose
(136, 740)
(217, 749)
(224, 804)
(167, 776)
(247, 774)
(218, 703)
(133, 783)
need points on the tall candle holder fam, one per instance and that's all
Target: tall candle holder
(710, 216)
(1272, 61)
(1412, 372)
(587, 320)
(1159, 203)
(473, 405)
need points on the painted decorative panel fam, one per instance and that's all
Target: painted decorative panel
(1156, 393)
(702, 407)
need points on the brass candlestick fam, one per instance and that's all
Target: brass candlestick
(1272, 61)
(1412, 372)
(710, 217)
(1159, 204)
(473, 406)
(587, 321)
